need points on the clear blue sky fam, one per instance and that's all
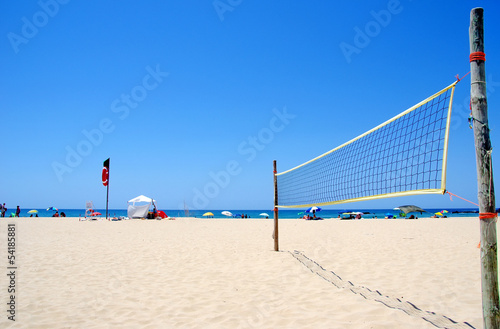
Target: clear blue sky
(193, 98)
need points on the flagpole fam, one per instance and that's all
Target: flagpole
(107, 198)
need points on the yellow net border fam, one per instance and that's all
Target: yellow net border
(395, 194)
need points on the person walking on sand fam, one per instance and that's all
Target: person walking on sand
(18, 211)
(4, 209)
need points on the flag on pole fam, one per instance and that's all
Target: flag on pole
(105, 173)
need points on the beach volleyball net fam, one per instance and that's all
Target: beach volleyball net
(405, 155)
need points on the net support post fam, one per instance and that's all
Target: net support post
(486, 193)
(275, 210)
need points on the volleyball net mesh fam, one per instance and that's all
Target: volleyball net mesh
(405, 155)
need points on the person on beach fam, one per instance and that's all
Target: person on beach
(18, 211)
(56, 214)
(4, 209)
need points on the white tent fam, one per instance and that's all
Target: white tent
(138, 207)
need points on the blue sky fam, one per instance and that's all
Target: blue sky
(193, 100)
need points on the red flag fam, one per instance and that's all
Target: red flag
(105, 173)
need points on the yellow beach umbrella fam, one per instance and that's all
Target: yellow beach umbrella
(438, 214)
(208, 214)
(32, 211)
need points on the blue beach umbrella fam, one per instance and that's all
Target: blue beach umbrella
(311, 209)
(52, 208)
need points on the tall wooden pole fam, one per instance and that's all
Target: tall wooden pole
(486, 192)
(275, 235)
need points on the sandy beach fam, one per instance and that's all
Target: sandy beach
(224, 273)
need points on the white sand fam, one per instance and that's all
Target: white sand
(223, 273)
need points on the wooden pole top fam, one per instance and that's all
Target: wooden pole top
(476, 30)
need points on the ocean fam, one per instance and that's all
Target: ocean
(283, 213)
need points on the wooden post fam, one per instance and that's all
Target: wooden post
(486, 192)
(275, 234)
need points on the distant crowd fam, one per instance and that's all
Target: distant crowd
(3, 210)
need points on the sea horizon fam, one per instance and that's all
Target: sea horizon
(252, 213)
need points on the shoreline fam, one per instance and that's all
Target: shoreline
(239, 219)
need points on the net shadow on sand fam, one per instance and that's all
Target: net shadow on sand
(438, 320)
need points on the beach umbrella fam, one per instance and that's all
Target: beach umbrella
(444, 211)
(411, 208)
(226, 213)
(161, 214)
(208, 214)
(438, 214)
(52, 208)
(264, 214)
(33, 211)
(311, 209)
